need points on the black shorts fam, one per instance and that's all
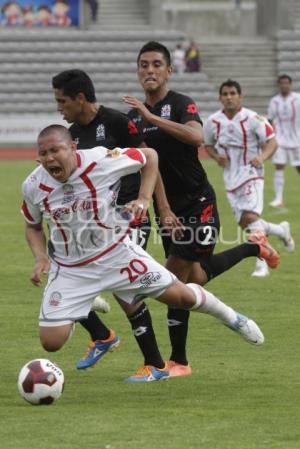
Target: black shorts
(201, 220)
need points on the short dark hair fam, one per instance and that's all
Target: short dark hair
(231, 83)
(62, 130)
(73, 82)
(158, 47)
(284, 77)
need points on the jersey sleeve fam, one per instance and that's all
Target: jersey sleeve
(208, 133)
(30, 211)
(263, 129)
(187, 111)
(128, 133)
(121, 162)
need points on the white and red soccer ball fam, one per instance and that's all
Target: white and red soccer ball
(41, 382)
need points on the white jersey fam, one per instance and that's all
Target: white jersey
(240, 139)
(284, 112)
(83, 220)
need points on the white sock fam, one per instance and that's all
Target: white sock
(278, 182)
(267, 228)
(260, 264)
(206, 302)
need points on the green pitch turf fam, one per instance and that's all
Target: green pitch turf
(239, 396)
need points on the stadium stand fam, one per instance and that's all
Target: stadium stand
(288, 45)
(29, 59)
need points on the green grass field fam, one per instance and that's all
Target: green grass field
(239, 396)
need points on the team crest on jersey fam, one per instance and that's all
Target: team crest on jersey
(166, 111)
(113, 153)
(69, 196)
(100, 132)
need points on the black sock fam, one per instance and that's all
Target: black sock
(143, 332)
(218, 263)
(96, 328)
(178, 329)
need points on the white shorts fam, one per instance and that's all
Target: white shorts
(248, 198)
(283, 156)
(128, 271)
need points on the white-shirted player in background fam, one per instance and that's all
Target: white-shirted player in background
(284, 114)
(75, 192)
(240, 141)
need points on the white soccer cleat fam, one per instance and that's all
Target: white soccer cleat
(248, 330)
(261, 269)
(278, 204)
(100, 305)
(288, 240)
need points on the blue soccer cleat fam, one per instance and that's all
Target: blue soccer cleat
(97, 349)
(149, 373)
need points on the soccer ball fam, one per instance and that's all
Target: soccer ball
(41, 382)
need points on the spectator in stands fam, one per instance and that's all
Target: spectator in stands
(60, 11)
(179, 59)
(192, 58)
(94, 6)
(44, 16)
(12, 14)
(284, 113)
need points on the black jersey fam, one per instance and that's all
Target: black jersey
(182, 173)
(111, 128)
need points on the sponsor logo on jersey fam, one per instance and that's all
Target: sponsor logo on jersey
(166, 111)
(231, 129)
(113, 153)
(68, 193)
(192, 108)
(100, 132)
(149, 278)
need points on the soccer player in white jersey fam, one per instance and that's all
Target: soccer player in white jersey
(75, 193)
(284, 114)
(240, 141)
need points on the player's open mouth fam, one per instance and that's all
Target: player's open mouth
(150, 80)
(55, 171)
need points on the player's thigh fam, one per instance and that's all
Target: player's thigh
(280, 157)
(69, 294)
(178, 295)
(294, 157)
(248, 199)
(53, 338)
(202, 225)
(136, 275)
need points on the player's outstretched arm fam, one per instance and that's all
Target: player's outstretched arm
(36, 240)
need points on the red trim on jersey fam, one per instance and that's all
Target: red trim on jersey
(245, 142)
(135, 154)
(26, 212)
(269, 130)
(92, 188)
(243, 183)
(293, 119)
(132, 129)
(218, 124)
(92, 259)
(46, 188)
(78, 159)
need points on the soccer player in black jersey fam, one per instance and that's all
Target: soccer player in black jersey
(94, 125)
(171, 125)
